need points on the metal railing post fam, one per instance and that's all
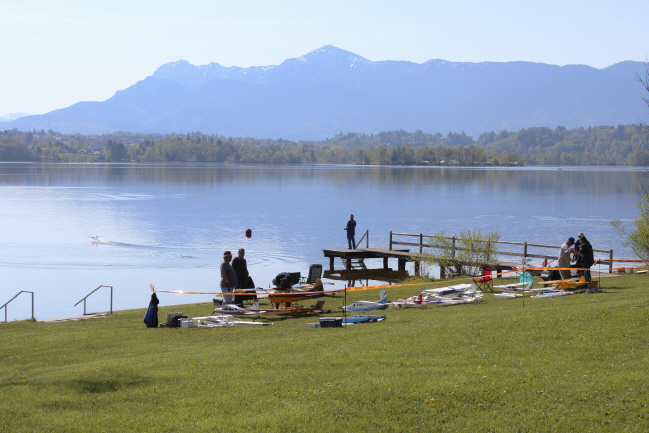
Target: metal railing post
(86, 297)
(17, 294)
(390, 240)
(610, 263)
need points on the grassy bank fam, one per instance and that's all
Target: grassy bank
(574, 363)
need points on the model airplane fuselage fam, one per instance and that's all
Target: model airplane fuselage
(357, 306)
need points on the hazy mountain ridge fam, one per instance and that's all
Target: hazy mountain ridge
(12, 116)
(329, 90)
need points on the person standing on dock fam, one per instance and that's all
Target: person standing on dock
(228, 277)
(351, 232)
(564, 258)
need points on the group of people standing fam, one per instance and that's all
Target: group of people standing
(580, 252)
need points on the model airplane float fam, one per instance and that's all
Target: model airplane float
(357, 306)
(513, 290)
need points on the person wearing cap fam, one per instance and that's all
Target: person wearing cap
(564, 258)
(351, 232)
(228, 277)
(586, 254)
(577, 257)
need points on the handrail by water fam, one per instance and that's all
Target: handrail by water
(524, 255)
(22, 291)
(86, 297)
(367, 241)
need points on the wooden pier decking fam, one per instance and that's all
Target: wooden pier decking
(348, 255)
(525, 254)
(402, 255)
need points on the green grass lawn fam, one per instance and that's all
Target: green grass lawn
(573, 363)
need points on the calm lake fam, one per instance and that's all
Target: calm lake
(168, 225)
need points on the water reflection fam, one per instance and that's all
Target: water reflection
(170, 223)
(574, 180)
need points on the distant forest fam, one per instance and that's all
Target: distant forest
(601, 145)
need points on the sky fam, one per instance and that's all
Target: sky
(56, 53)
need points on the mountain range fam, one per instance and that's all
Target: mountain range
(330, 91)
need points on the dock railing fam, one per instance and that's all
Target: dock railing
(365, 236)
(424, 241)
(17, 294)
(86, 297)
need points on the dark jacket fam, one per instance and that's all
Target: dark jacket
(240, 267)
(151, 315)
(587, 250)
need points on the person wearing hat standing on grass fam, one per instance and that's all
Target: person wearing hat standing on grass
(587, 256)
(228, 277)
(577, 257)
(564, 258)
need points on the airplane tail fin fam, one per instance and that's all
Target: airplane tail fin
(255, 305)
(529, 287)
(318, 286)
(472, 289)
(384, 297)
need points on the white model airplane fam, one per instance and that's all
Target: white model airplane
(550, 292)
(513, 290)
(222, 321)
(235, 310)
(412, 302)
(452, 295)
(381, 304)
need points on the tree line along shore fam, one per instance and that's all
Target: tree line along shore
(600, 145)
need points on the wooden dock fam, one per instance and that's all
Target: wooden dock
(348, 256)
(524, 252)
(402, 255)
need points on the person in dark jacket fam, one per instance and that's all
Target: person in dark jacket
(351, 232)
(586, 254)
(577, 258)
(240, 267)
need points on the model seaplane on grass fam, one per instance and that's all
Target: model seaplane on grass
(560, 287)
(452, 295)
(514, 290)
(412, 302)
(359, 306)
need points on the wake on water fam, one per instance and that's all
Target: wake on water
(98, 240)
